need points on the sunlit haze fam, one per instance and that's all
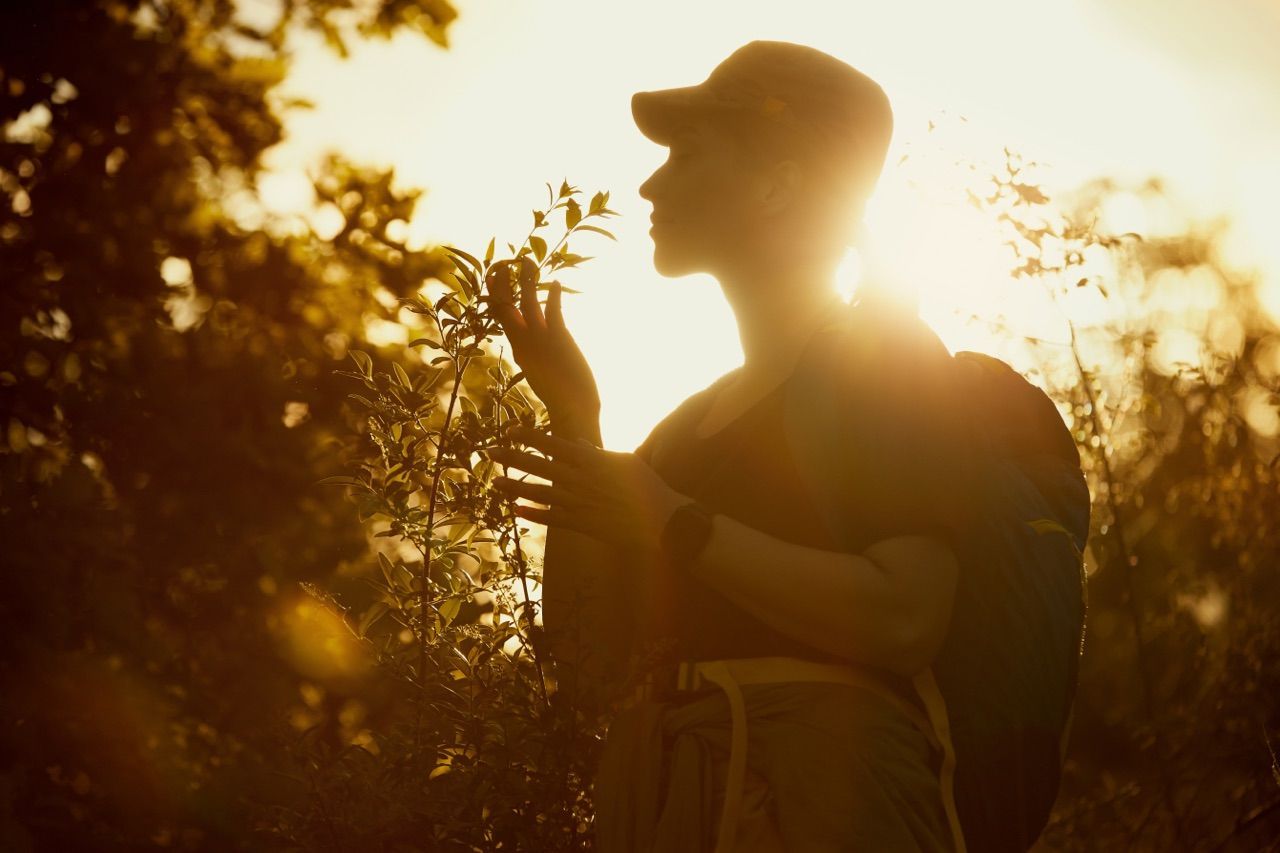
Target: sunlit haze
(532, 93)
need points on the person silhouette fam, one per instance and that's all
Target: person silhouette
(774, 564)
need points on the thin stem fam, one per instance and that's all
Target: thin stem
(524, 584)
(424, 578)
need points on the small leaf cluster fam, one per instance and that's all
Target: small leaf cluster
(559, 256)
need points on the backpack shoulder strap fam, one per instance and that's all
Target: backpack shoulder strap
(935, 706)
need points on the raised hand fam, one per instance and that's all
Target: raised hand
(541, 345)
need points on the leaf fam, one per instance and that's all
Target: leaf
(451, 305)
(569, 259)
(449, 609)
(539, 247)
(467, 277)
(388, 569)
(1029, 194)
(417, 306)
(456, 283)
(565, 189)
(572, 214)
(340, 481)
(401, 376)
(598, 201)
(488, 252)
(375, 612)
(598, 230)
(468, 258)
(362, 361)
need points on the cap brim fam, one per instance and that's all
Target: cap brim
(660, 113)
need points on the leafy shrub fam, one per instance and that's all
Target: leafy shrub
(483, 752)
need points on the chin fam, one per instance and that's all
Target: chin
(671, 263)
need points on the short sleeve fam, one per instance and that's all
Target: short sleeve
(873, 428)
(644, 450)
(650, 450)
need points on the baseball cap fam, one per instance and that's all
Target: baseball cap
(823, 104)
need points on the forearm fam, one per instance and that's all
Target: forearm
(586, 628)
(852, 605)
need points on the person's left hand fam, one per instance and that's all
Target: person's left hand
(611, 496)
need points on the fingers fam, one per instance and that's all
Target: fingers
(553, 517)
(529, 306)
(498, 282)
(555, 316)
(579, 453)
(551, 495)
(544, 468)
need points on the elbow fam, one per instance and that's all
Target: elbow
(923, 573)
(915, 648)
(920, 633)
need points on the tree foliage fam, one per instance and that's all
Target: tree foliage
(168, 403)
(1177, 710)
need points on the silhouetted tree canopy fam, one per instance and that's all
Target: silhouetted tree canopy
(168, 400)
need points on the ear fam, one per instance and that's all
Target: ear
(780, 187)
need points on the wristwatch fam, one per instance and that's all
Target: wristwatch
(686, 533)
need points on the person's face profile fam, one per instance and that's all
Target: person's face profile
(711, 200)
(698, 196)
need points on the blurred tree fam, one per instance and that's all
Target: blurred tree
(1180, 685)
(167, 404)
(1169, 375)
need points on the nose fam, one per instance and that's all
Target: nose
(652, 188)
(646, 189)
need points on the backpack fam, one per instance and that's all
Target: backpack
(1000, 692)
(1008, 670)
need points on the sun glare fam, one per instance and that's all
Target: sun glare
(652, 341)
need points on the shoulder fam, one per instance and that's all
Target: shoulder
(873, 348)
(686, 408)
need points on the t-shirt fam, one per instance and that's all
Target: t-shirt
(854, 446)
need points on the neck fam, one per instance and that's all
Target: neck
(778, 308)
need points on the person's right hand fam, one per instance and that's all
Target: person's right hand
(552, 363)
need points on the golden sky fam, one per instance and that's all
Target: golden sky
(531, 92)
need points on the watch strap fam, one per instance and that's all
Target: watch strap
(686, 533)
